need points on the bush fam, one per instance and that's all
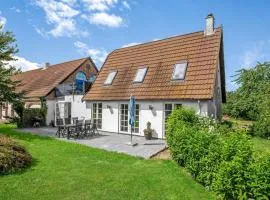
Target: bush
(12, 156)
(218, 157)
(261, 127)
(31, 115)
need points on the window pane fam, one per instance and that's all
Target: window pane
(97, 114)
(177, 106)
(124, 117)
(179, 71)
(110, 78)
(140, 74)
(168, 106)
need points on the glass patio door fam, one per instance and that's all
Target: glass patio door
(97, 114)
(124, 118)
(63, 111)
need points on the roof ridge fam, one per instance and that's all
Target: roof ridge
(84, 58)
(149, 42)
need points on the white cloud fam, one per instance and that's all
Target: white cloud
(258, 52)
(70, 2)
(3, 20)
(61, 16)
(24, 64)
(99, 5)
(98, 55)
(104, 19)
(126, 4)
(130, 44)
(17, 10)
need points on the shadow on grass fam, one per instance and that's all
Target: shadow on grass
(22, 170)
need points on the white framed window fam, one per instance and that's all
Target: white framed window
(135, 128)
(179, 71)
(168, 108)
(97, 114)
(140, 74)
(110, 78)
(124, 117)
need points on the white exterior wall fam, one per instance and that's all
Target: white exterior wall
(78, 108)
(215, 106)
(111, 115)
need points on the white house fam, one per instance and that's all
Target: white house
(185, 70)
(61, 86)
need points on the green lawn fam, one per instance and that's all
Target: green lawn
(63, 170)
(261, 144)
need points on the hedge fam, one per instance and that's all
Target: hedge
(223, 161)
(13, 157)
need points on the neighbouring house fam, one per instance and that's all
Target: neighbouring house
(185, 70)
(61, 86)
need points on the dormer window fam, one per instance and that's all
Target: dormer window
(179, 71)
(110, 78)
(140, 74)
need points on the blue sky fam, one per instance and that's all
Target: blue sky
(59, 30)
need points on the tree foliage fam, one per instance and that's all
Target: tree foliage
(220, 158)
(7, 50)
(253, 91)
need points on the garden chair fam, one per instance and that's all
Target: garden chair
(74, 120)
(60, 128)
(87, 128)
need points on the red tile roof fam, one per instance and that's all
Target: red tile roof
(39, 82)
(201, 52)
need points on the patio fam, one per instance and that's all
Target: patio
(110, 142)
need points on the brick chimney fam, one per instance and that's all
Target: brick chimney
(210, 24)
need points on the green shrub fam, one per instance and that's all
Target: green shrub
(218, 157)
(261, 127)
(30, 115)
(258, 176)
(12, 156)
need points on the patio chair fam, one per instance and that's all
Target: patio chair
(77, 130)
(87, 128)
(60, 128)
(87, 121)
(94, 129)
(74, 120)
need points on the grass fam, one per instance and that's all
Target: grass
(63, 170)
(260, 144)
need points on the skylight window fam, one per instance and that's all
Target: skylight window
(179, 72)
(110, 78)
(140, 74)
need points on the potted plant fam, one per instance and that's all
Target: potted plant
(148, 131)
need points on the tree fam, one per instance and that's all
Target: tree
(253, 91)
(7, 50)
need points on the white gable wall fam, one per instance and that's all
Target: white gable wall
(78, 108)
(215, 105)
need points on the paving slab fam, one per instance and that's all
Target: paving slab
(110, 142)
